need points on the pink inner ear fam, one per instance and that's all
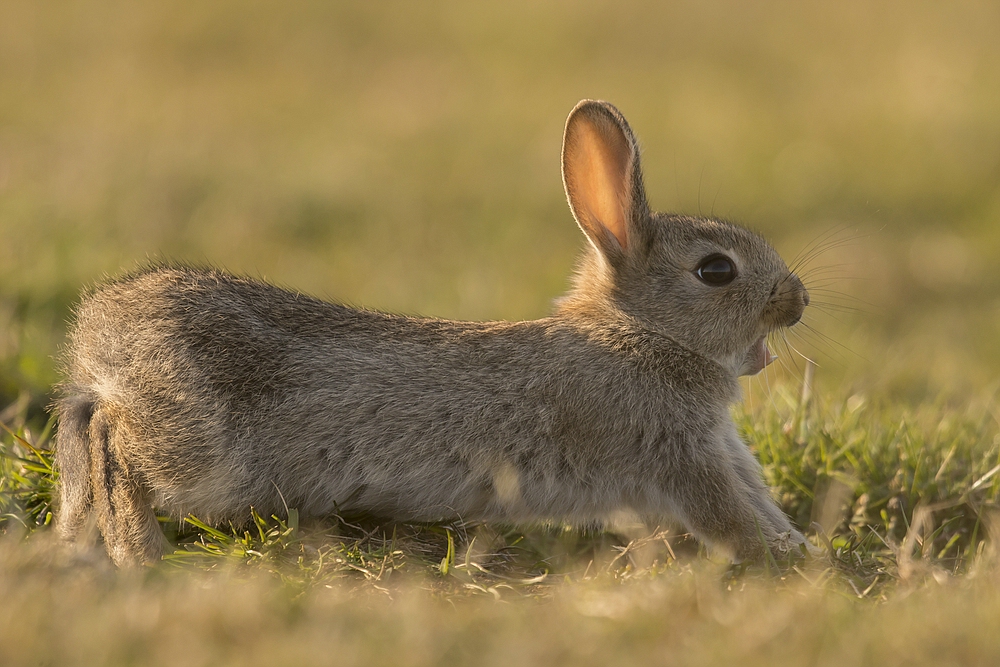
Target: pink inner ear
(597, 167)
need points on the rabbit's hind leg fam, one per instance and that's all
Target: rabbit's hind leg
(125, 515)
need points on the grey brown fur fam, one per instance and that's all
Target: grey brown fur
(193, 391)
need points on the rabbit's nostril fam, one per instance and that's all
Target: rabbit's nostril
(805, 298)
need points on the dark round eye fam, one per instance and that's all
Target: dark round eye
(716, 270)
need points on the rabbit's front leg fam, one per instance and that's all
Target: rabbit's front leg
(708, 492)
(749, 471)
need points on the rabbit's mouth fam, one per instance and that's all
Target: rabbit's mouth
(757, 357)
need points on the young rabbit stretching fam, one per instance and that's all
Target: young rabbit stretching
(194, 391)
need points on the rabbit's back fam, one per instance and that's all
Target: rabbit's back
(235, 389)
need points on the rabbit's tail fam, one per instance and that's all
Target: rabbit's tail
(95, 480)
(73, 463)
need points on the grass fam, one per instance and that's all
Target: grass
(405, 157)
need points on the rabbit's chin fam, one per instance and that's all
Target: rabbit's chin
(757, 357)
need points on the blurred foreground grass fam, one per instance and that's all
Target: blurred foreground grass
(55, 615)
(405, 156)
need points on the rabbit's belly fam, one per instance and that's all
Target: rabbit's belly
(501, 493)
(425, 493)
(223, 484)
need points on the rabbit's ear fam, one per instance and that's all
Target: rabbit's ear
(600, 165)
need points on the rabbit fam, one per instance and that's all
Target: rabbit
(195, 391)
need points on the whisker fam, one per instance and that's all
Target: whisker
(830, 292)
(712, 213)
(832, 297)
(826, 289)
(829, 341)
(833, 308)
(787, 360)
(700, 179)
(824, 243)
(814, 245)
(784, 337)
(825, 269)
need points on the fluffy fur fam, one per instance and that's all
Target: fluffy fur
(194, 391)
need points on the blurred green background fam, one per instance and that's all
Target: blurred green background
(405, 156)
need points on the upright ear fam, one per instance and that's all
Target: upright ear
(602, 177)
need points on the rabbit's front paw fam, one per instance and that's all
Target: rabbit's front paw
(793, 544)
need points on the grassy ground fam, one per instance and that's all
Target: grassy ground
(405, 157)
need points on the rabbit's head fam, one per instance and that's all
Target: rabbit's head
(715, 288)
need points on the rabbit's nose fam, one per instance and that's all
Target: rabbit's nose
(798, 287)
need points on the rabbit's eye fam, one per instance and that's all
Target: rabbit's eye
(716, 270)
